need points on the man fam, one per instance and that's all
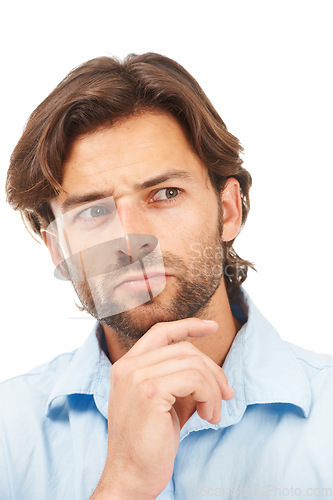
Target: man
(131, 178)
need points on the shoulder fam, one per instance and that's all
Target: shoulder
(31, 389)
(40, 377)
(318, 369)
(312, 362)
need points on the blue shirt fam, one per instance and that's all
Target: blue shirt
(275, 438)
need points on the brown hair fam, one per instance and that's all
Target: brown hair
(101, 92)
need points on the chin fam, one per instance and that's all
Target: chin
(135, 322)
(157, 309)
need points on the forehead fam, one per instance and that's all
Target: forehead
(124, 155)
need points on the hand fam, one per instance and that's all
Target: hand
(144, 428)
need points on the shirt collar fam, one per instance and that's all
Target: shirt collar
(259, 366)
(87, 373)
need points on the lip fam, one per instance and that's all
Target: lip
(139, 281)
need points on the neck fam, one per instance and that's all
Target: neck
(215, 346)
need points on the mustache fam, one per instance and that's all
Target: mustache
(151, 265)
(109, 257)
(96, 261)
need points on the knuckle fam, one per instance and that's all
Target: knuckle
(223, 376)
(188, 348)
(157, 326)
(120, 367)
(147, 389)
(116, 370)
(195, 376)
(198, 361)
(135, 378)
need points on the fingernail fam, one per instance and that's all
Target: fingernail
(211, 322)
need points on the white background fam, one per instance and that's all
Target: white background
(267, 67)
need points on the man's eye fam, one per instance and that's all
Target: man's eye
(165, 194)
(92, 213)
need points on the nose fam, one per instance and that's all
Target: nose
(135, 246)
(136, 243)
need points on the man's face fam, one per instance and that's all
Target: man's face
(160, 188)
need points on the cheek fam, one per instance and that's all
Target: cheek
(191, 224)
(182, 239)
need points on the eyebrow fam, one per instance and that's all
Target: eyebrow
(78, 199)
(165, 176)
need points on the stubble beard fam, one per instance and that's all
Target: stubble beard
(190, 293)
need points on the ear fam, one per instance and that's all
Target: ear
(51, 241)
(232, 209)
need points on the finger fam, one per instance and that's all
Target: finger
(177, 351)
(166, 389)
(177, 365)
(168, 332)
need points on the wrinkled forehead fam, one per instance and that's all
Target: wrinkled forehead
(126, 155)
(65, 203)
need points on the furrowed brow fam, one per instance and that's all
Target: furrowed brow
(165, 176)
(77, 199)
